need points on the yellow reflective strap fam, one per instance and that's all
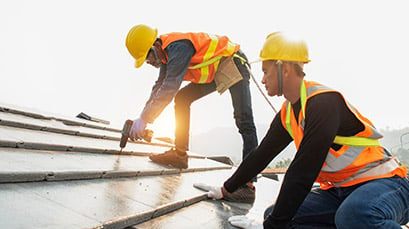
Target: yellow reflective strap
(209, 60)
(303, 97)
(204, 66)
(216, 65)
(356, 141)
(288, 120)
(243, 61)
(341, 140)
(213, 60)
(212, 47)
(230, 48)
(206, 63)
(204, 74)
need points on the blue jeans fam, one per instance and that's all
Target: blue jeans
(241, 100)
(381, 203)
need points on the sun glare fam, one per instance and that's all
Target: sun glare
(164, 125)
(292, 36)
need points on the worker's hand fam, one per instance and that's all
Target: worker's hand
(245, 222)
(213, 192)
(137, 129)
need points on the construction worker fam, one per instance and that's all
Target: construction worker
(210, 63)
(361, 184)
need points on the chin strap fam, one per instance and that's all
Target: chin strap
(280, 78)
(157, 59)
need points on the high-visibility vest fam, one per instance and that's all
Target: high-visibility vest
(209, 50)
(360, 158)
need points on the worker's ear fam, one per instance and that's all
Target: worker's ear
(158, 45)
(286, 68)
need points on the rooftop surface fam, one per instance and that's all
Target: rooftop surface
(63, 172)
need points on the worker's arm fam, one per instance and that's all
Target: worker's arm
(170, 78)
(272, 144)
(323, 119)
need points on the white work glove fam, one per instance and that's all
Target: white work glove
(137, 129)
(212, 191)
(245, 222)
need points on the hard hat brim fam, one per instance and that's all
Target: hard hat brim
(139, 62)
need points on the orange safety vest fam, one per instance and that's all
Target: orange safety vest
(209, 50)
(361, 158)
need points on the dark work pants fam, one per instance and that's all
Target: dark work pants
(381, 203)
(241, 100)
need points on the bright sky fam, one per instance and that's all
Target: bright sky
(69, 57)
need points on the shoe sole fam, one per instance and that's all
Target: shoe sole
(178, 166)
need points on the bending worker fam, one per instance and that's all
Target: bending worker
(210, 63)
(361, 184)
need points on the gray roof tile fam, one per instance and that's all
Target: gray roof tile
(63, 172)
(59, 172)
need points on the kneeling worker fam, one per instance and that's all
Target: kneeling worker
(361, 184)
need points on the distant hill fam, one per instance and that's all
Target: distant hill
(226, 141)
(392, 138)
(397, 142)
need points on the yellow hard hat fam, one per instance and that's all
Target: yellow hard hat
(278, 47)
(139, 40)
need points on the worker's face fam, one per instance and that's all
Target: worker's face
(153, 58)
(270, 77)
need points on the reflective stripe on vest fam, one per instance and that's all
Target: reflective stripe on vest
(209, 50)
(360, 157)
(341, 140)
(372, 169)
(355, 144)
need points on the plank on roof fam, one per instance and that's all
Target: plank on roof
(214, 214)
(18, 165)
(97, 200)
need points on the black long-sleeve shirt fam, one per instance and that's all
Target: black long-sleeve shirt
(326, 116)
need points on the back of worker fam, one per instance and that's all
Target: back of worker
(210, 63)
